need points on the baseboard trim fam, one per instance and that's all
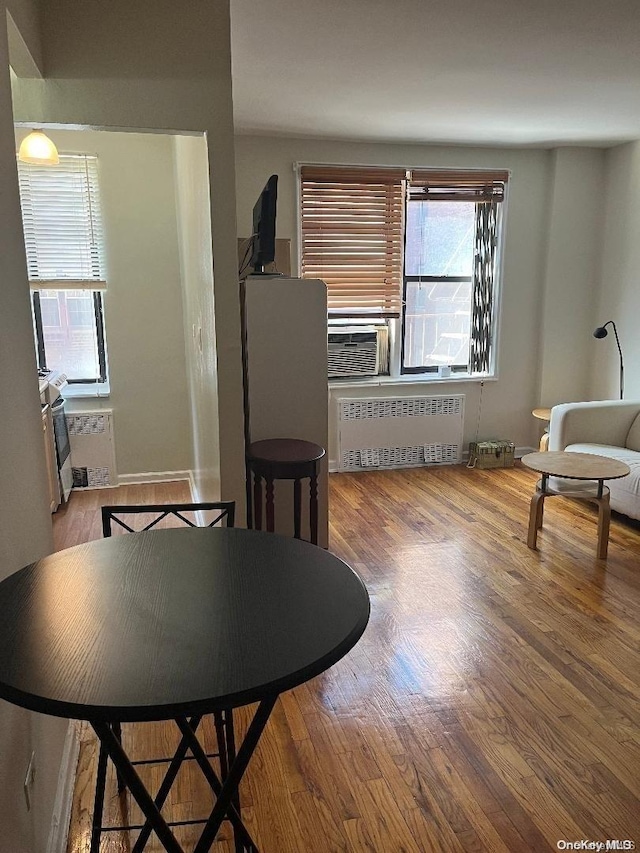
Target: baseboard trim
(519, 453)
(193, 488)
(153, 477)
(58, 836)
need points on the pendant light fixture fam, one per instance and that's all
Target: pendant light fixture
(39, 149)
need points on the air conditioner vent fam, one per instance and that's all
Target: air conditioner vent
(353, 352)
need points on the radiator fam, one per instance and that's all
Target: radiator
(390, 432)
(93, 460)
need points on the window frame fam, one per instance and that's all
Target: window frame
(98, 316)
(426, 368)
(397, 324)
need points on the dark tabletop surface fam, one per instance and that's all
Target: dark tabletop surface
(286, 450)
(148, 626)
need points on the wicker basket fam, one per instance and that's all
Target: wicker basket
(491, 454)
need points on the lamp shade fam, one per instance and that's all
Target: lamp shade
(39, 149)
(600, 332)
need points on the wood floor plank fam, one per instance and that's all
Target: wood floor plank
(430, 835)
(491, 705)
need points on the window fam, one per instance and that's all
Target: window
(411, 250)
(437, 284)
(63, 235)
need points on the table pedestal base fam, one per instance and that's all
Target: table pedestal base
(601, 499)
(224, 786)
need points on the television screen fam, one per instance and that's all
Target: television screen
(264, 226)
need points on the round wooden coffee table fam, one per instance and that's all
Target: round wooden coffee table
(574, 466)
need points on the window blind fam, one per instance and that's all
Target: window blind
(352, 235)
(62, 224)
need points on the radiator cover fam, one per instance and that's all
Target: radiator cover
(93, 460)
(400, 432)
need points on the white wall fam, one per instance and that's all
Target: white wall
(100, 76)
(572, 276)
(25, 521)
(619, 298)
(157, 65)
(506, 402)
(25, 44)
(142, 306)
(196, 263)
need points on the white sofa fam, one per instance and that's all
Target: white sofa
(609, 428)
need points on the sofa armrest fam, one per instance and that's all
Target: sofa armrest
(598, 422)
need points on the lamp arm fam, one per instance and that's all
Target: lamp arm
(615, 332)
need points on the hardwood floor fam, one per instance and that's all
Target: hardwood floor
(492, 704)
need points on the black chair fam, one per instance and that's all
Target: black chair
(222, 510)
(205, 514)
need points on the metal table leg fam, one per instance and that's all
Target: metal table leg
(227, 804)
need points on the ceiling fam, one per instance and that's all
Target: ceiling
(506, 72)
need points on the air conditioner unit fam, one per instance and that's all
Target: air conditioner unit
(354, 352)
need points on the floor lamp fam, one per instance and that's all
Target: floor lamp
(601, 332)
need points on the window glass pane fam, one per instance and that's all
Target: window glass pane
(80, 310)
(71, 345)
(437, 323)
(49, 309)
(440, 238)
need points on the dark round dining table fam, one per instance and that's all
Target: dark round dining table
(175, 624)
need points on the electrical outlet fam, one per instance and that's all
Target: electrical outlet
(29, 779)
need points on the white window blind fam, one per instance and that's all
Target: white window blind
(62, 224)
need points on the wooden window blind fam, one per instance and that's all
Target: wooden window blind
(352, 237)
(62, 224)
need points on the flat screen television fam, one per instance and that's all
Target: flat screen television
(264, 227)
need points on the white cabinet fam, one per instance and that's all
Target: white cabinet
(286, 333)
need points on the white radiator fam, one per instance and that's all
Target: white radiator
(390, 432)
(93, 460)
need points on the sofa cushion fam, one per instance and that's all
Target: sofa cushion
(625, 492)
(633, 436)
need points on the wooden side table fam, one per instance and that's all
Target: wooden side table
(283, 459)
(574, 466)
(543, 414)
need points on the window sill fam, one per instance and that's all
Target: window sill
(407, 379)
(90, 390)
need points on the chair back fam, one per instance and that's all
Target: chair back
(151, 515)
